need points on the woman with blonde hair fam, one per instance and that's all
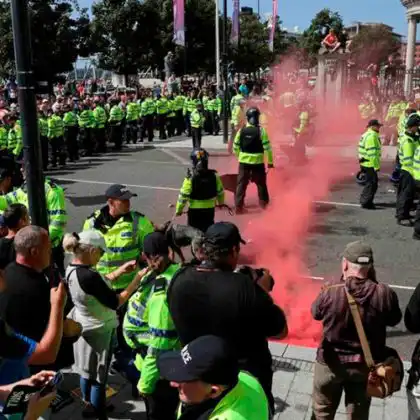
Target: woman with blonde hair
(95, 305)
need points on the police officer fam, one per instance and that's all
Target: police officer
(43, 134)
(370, 163)
(197, 120)
(56, 212)
(86, 125)
(416, 176)
(301, 133)
(56, 137)
(148, 110)
(132, 118)
(116, 117)
(149, 329)
(202, 189)
(70, 133)
(124, 231)
(100, 116)
(251, 144)
(406, 185)
(162, 112)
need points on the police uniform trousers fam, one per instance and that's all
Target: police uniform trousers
(179, 122)
(208, 126)
(196, 137)
(251, 173)
(116, 135)
(405, 196)
(162, 126)
(131, 132)
(86, 137)
(215, 122)
(370, 187)
(58, 153)
(162, 404)
(201, 219)
(416, 234)
(100, 135)
(147, 127)
(44, 151)
(70, 139)
(171, 126)
(188, 123)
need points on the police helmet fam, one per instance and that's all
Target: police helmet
(413, 121)
(361, 178)
(199, 158)
(253, 116)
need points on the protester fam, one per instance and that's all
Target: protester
(211, 299)
(95, 305)
(16, 217)
(210, 384)
(340, 363)
(26, 284)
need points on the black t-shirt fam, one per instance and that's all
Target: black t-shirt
(7, 252)
(25, 304)
(92, 284)
(229, 305)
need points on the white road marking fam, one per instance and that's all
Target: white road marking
(158, 162)
(394, 286)
(336, 203)
(88, 181)
(174, 155)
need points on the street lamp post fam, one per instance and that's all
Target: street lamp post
(28, 113)
(217, 35)
(225, 74)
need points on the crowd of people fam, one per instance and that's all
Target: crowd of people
(71, 126)
(170, 306)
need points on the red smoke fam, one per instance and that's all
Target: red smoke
(278, 235)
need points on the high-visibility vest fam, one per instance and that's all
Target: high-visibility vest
(125, 241)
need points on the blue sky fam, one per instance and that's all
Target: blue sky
(300, 12)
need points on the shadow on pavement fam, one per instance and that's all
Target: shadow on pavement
(279, 405)
(281, 364)
(92, 200)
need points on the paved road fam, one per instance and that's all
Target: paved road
(155, 174)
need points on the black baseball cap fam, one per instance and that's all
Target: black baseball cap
(155, 243)
(119, 191)
(224, 234)
(208, 358)
(374, 123)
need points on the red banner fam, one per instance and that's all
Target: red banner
(179, 27)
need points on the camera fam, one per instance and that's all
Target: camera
(254, 273)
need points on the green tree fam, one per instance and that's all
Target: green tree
(373, 44)
(312, 37)
(59, 32)
(117, 33)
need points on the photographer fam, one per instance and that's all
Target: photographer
(212, 299)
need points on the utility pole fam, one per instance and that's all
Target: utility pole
(225, 74)
(28, 113)
(217, 35)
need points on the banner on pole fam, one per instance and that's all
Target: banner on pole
(234, 36)
(272, 21)
(179, 28)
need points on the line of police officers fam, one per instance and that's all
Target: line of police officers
(407, 171)
(124, 229)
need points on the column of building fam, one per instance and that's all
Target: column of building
(409, 59)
